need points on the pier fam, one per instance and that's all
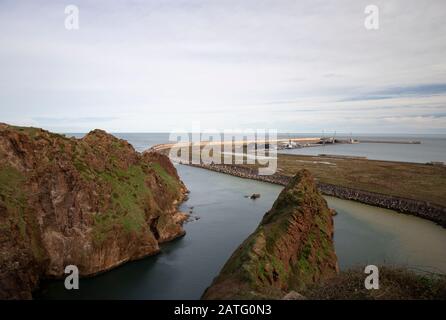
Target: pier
(282, 144)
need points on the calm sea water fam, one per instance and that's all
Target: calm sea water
(363, 235)
(432, 148)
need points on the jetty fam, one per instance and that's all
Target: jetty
(278, 142)
(282, 144)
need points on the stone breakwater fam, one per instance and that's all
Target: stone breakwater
(420, 209)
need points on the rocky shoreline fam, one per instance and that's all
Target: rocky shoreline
(420, 209)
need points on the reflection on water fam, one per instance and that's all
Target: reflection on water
(363, 235)
(366, 234)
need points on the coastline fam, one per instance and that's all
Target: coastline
(421, 209)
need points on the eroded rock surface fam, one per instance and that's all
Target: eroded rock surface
(93, 202)
(291, 248)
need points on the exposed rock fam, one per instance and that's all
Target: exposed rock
(192, 218)
(291, 248)
(93, 202)
(180, 217)
(293, 295)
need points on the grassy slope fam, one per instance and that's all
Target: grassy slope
(394, 283)
(408, 180)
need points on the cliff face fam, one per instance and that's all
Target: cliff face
(291, 248)
(93, 202)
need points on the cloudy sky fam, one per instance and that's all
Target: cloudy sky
(291, 65)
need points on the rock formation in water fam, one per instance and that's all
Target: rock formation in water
(93, 202)
(291, 248)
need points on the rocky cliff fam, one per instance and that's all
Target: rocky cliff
(291, 248)
(93, 202)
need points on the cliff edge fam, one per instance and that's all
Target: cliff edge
(291, 249)
(92, 202)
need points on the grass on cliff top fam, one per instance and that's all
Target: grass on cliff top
(394, 284)
(408, 180)
(130, 199)
(33, 132)
(130, 196)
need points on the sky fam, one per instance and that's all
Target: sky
(171, 65)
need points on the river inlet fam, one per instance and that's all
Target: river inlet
(187, 266)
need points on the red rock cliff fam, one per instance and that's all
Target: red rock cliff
(93, 202)
(291, 249)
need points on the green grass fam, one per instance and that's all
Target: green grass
(13, 197)
(395, 284)
(408, 180)
(171, 182)
(35, 133)
(130, 195)
(103, 225)
(32, 132)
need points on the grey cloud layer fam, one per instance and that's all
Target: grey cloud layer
(162, 65)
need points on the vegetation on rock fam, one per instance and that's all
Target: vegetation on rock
(93, 202)
(291, 248)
